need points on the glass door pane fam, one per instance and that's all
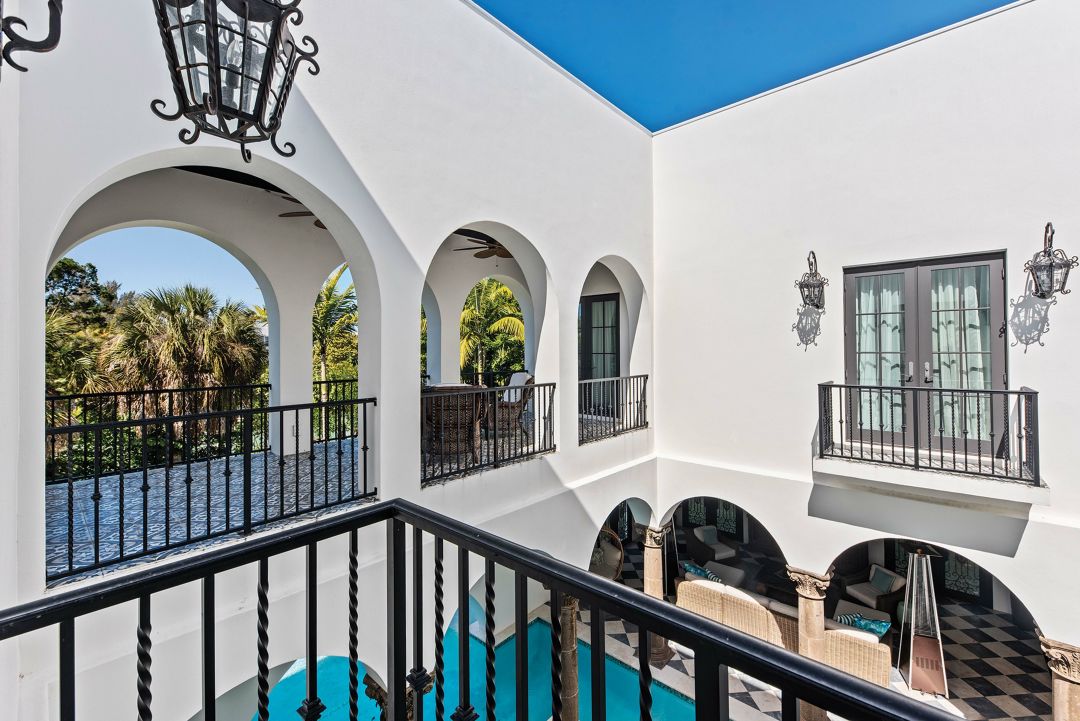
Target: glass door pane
(963, 349)
(599, 352)
(880, 353)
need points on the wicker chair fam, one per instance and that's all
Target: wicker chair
(607, 558)
(452, 423)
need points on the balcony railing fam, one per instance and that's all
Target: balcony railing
(338, 389)
(415, 619)
(464, 430)
(609, 407)
(126, 489)
(489, 378)
(991, 433)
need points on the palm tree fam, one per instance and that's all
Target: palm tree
(333, 322)
(71, 356)
(183, 338)
(491, 326)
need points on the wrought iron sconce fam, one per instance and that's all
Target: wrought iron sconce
(13, 42)
(236, 85)
(812, 285)
(1049, 268)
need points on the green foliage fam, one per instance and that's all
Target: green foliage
(73, 288)
(492, 329)
(183, 338)
(333, 330)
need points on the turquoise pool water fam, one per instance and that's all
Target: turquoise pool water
(622, 685)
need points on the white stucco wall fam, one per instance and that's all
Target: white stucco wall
(962, 142)
(426, 118)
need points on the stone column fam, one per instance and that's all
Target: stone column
(568, 621)
(1064, 662)
(811, 589)
(653, 542)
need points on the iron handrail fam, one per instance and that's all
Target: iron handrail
(1022, 391)
(151, 391)
(475, 390)
(208, 415)
(813, 682)
(638, 376)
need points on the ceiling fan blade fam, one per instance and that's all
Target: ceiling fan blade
(476, 236)
(319, 224)
(291, 199)
(489, 253)
(297, 214)
(502, 252)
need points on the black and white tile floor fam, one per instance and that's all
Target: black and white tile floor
(996, 669)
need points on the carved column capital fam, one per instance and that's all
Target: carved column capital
(809, 585)
(654, 537)
(1063, 659)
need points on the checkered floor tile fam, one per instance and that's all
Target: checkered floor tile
(995, 669)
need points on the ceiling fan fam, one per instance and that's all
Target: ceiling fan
(299, 213)
(488, 246)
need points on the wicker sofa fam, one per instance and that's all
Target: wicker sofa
(848, 649)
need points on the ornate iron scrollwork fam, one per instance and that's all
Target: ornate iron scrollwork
(14, 42)
(232, 65)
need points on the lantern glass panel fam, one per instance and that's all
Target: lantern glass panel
(188, 30)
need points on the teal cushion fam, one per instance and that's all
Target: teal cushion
(692, 569)
(855, 620)
(881, 580)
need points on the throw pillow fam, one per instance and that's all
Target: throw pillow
(856, 620)
(692, 569)
(881, 580)
(597, 556)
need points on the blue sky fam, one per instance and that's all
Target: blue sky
(663, 62)
(146, 258)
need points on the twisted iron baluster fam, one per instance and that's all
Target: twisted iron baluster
(440, 690)
(644, 674)
(489, 635)
(264, 641)
(354, 644)
(144, 660)
(556, 656)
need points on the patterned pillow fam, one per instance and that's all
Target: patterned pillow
(856, 620)
(692, 569)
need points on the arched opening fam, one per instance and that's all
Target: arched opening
(492, 333)
(994, 666)
(613, 363)
(334, 338)
(210, 450)
(617, 553)
(482, 311)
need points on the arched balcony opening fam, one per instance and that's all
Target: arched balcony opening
(482, 313)
(174, 414)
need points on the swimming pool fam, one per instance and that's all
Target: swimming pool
(622, 685)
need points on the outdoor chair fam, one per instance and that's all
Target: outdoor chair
(703, 545)
(452, 422)
(510, 405)
(882, 590)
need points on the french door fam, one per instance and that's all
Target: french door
(936, 327)
(598, 348)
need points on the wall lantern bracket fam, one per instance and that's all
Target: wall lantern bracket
(1049, 268)
(812, 285)
(232, 65)
(12, 41)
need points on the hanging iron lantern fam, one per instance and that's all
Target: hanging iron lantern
(812, 285)
(235, 86)
(1049, 268)
(13, 42)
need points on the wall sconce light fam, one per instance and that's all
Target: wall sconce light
(812, 285)
(1049, 268)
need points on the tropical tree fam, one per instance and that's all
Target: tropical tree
(183, 338)
(492, 330)
(71, 356)
(333, 328)
(73, 288)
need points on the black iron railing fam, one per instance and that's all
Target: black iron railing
(490, 378)
(159, 483)
(465, 430)
(409, 627)
(611, 406)
(64, 456)
(338, 389)
(993, 433)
